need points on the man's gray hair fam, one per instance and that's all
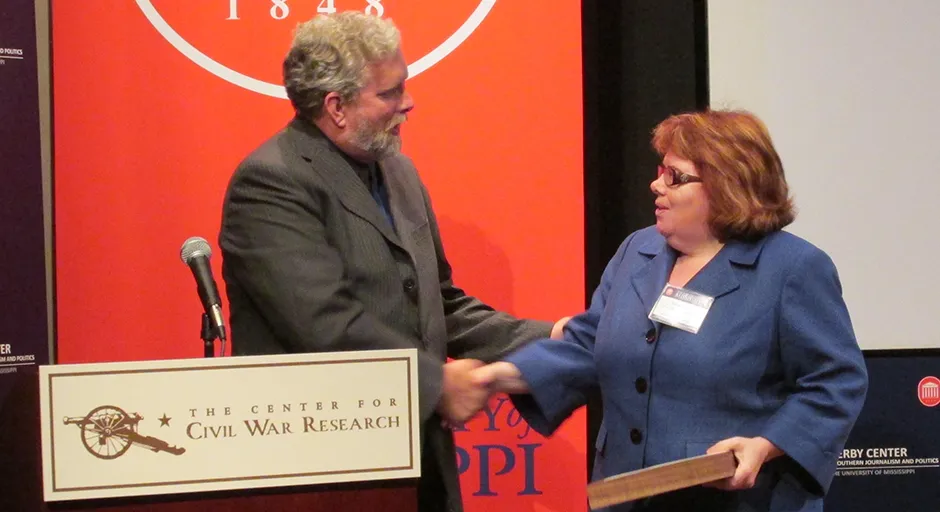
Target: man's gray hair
(331, 53)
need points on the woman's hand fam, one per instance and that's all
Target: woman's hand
(751, 454)
(500, 377)
(558, 329)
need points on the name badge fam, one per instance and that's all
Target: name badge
(681, 308)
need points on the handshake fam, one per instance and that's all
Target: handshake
(467, 385)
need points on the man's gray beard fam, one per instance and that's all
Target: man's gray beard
(378, 143)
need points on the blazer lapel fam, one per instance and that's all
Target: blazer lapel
(650, 280)
(717, 278)
(405, 201)
(326, 159)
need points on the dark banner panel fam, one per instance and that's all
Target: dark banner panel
(23, 335)
(23, 328)
(892, 458)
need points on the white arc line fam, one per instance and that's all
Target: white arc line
(277, 91)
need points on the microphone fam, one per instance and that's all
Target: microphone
(195, 254)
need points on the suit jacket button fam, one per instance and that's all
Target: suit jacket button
(636, 436)
(409, 285)
(651, 335)
(641, 385)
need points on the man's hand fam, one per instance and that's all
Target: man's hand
(751, 453)
(558, 330)
(461, 396)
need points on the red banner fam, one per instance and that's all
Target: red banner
(156, 102)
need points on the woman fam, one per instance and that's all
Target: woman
(751, 350)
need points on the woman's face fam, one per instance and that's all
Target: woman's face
(681, 209)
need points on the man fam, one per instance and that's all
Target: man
(330, 243)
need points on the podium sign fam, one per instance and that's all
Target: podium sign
(166, 427)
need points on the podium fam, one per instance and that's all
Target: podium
(216, 444)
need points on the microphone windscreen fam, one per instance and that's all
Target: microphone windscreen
(193, 247)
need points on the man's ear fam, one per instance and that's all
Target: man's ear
(335, 109)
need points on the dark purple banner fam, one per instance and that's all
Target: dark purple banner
(23, 329)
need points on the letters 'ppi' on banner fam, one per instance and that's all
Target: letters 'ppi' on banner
(166, 427)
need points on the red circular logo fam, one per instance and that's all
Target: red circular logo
(928, 391)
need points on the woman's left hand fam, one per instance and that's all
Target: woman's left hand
(558, 329)
(751, 453)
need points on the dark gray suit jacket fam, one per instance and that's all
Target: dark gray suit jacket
(311, 264)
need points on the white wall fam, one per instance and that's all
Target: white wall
(850, 90)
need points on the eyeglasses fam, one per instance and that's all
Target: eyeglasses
(674, 177)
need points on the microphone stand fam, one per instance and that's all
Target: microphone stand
(208, 335)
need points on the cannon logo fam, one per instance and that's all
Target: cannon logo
(108, 432)
(243, 41)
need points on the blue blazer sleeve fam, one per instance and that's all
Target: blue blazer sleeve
(823, 362)
(560, 374)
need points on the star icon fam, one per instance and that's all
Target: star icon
(164, 421)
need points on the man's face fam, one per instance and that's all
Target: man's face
(376, 114)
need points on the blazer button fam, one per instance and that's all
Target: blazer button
(651, 335)
(641, 385)
(636, 436)
(409, 285)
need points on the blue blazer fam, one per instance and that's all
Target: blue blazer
(775, 357)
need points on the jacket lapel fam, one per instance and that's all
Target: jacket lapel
(326, 159)
(649, 280)
(717, 278)
(405, 200)
(407, 205)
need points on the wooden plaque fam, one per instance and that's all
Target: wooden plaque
(659, 479)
